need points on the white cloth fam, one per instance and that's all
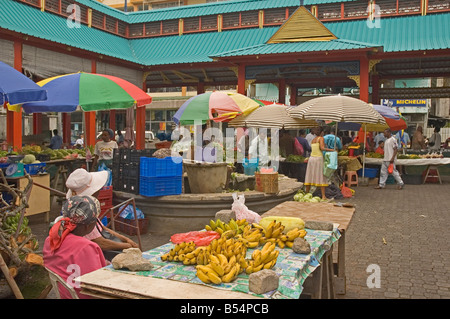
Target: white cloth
(390, 145)
(436, 138)
(105, 150)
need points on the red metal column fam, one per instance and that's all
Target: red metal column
(241, 79)
(282, 91)
(67, 132)
(293, 96)
(375, 89)
(200, 88)
(89, 117)
(37, 123)
(140, 123)
(364, 79)
(14, 119)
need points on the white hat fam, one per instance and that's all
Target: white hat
(81, 182)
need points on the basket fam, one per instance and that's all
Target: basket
(129, 226)
(34, 169)
(158, 167)
(160, 186)
(267, 183)
(166, 144)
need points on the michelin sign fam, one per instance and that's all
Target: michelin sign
(406, 105)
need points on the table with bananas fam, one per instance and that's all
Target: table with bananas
(224, 265)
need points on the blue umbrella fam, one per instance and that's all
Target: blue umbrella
(16, 88)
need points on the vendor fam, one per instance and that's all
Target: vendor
(81, 183)
(104, 149)
(380, 148)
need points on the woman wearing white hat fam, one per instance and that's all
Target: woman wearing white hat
(81, 183)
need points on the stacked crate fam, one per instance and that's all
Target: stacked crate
(105, 197)
(160, 176)
(125, 172)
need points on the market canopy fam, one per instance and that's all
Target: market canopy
(90, 92)
(215, 106)
(16, 88)
(337, 108)
(271, 116)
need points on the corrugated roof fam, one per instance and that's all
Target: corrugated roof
(408, 33)
(45, 25)
(221, 7)
(94, 4)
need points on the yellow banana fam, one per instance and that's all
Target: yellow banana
(203, 277)
(266, 247)
(189, 255)
(302, 233)
(249, 270)
(219, 230)
(257, 268)
(218, 269)
(229, 276)
(277, 231)
(212, 224)
(164, 257)
(281, 244)
(203, 268)
(214, 259)
(252, 244)
(199, 259)
(214, 278)
(270, 264)
(255, 225)
(208, 228)
(223, 260)
(289, 244)
(255, 253)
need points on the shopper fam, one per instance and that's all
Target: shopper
(331, 140)
(259, 148)
(314, 170)
(418, 140)
(66, 252)
(390, 156)
(434, 143)
(304, 142)
(403, 139)
(311, 135)
(56, 141)
(104, 149)
(380, 148)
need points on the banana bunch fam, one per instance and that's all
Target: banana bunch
(219, 270)
(251, 235)
(288, 238)
(184, 252)
(10, 224)
(228, 247)
(221, 227)
(265, 258)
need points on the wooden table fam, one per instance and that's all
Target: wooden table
(321, 212)
(39, 200)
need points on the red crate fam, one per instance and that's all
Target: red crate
(129, 227)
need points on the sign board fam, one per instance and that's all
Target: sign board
(407, 105)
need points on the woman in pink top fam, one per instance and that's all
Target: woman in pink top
(66, 252)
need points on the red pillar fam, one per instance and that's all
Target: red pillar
(140, 123)
(282, 91)
(375, 89)
(200, 88)
(293, 96)
(37, 123)
(364, 79)
(241, 79)
(89, 118)
(67, 132)
(112, 120)
(14, 119)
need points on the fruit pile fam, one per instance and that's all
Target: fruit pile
(224, 258)
(307, 197)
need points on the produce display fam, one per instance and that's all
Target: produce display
(296, 158)
(301, 196)
(34, 150)
(224, 257)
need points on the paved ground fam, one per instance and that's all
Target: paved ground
(404, 233)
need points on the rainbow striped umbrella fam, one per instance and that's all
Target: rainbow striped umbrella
(216, 106)
(91, 92)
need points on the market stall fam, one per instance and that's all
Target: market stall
(431, 164)
(176, 279)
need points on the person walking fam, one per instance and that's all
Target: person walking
(314, 170)
(56, 141)
(388, 165)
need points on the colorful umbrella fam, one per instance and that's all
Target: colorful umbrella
(91, 92)
(216, 106)
(265, 102)
(16, 88)
(394, 120)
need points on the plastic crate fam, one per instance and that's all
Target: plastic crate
(129, 170)
(160, 186)
(368, 172)
(131, 185)
(160, 167)
(129, 226)
(34, 169)
(129, 156)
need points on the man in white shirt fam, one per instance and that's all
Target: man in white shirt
(259, 148)
(311, 135)
(390, 155)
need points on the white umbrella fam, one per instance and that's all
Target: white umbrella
(338, 108)
(271, 116)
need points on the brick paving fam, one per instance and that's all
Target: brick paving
(404, 232)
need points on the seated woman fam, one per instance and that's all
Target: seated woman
(66, 252)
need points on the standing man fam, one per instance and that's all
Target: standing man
(390, 155)
(56, 141)
(311, 135)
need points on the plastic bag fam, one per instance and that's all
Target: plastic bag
(128, 212)
(200, 238)
(346, 192)
(103, 167)
(330, 164)
(241, 211)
